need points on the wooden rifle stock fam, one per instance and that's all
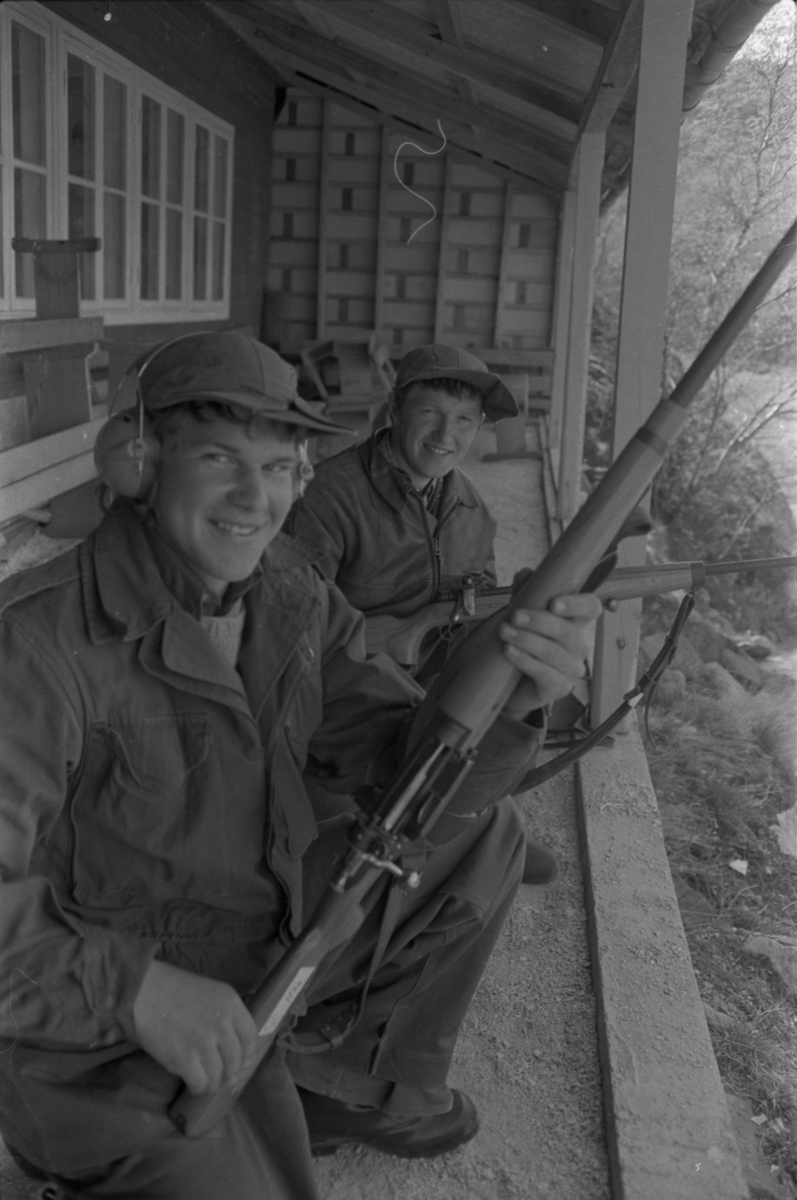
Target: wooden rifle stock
(401, 637)
(467, 699)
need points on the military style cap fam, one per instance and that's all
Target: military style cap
(229, 366)
(449, 362)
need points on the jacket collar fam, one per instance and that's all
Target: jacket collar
(125, 589)
(395, 485)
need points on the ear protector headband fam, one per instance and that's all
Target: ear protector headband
(126, 451)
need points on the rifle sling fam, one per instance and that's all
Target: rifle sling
(644, 687)
(334, 1032)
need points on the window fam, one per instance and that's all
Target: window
(91, 146)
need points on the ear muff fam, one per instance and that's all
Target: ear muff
(303, 473)
(126, 454)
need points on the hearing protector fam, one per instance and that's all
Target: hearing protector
(127, 452)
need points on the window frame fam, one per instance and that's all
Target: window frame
(62, 40)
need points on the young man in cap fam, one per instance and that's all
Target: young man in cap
(396, 523)
(166, 687)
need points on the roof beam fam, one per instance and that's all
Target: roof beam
(543, 123)
(376, 22)
(448, 23)
(615, 73)
(430, 102)
(509, 141)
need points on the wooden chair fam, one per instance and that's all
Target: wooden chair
(354, 377)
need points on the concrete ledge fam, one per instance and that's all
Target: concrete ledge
(669, 1132)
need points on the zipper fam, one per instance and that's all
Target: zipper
(437, 556)
(434, 548)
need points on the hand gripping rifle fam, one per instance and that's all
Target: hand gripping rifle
(467, 699)
(401, 637)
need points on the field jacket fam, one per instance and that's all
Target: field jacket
(152, 803)
(374, 536)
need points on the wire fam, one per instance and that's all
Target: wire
(409, 189)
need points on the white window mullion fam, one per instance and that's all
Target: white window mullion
(6, 173)
(59, 221)
(37, 177)
(48, 185)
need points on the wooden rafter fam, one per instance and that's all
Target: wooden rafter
(514, 153)
(526, 120)
(617, 69)
(388, 88)
(387, 31)
(448, 23)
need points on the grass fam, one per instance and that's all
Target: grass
(723, 767)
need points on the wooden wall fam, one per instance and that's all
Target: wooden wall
(480, 275)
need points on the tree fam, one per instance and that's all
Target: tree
(721, 491)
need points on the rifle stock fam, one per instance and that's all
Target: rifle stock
(469, 696)
(401, 637)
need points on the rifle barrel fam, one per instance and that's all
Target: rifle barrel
(749, 564)
(473, 694)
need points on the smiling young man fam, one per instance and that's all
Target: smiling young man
(396, 523)
(167, 688)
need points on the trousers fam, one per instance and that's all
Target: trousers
(396, 1057)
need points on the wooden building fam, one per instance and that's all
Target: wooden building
(242, 163)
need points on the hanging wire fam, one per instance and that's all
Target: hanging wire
(409, 189)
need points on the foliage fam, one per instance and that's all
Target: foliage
(717, 495)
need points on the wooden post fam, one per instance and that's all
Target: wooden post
(651, 200)
(440, 306)
(385, 170)
(588, 169)
(500, 299)
(561, 322)
(323, 209)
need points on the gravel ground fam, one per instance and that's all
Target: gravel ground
(528, 1049)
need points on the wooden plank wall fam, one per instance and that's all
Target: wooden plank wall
(348, 253)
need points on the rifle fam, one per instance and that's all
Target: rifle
(401, 637)
(468, 697)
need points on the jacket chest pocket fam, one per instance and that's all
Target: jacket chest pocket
(139, 801)
(160, 751)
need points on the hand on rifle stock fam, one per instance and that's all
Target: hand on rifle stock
(195, 1027)
(550, 648)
